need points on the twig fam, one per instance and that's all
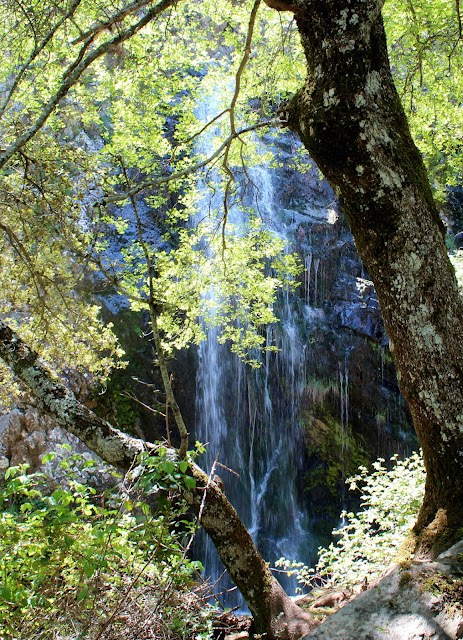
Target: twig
(219, 464)
(127, 394)
(457, 6)
(127, 593)
(167, 415)
(192, 537)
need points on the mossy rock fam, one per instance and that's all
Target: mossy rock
(448, 588)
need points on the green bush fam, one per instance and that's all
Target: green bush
(74, 564)
(367, 542)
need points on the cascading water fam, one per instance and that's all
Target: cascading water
(308, 270)
(344, 418)
(249, 418)
(275, 429)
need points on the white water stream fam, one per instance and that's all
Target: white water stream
(249, 418)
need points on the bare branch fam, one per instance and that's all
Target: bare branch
(167, 383)
(206, 126)
(244, 61)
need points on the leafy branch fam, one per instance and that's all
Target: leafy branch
(36, 52)
(74, 72)
(156, 182)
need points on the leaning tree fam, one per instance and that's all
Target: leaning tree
(350, 118)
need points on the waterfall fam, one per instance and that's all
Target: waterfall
(249, 418)
(316, 268)
(344, 418)
(308, 268)
(344, 398)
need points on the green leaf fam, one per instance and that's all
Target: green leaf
(168, 467)
(189, 482)
(83, 593)
(89, 569)
(183, 465)
(5, 593)
(48, 457)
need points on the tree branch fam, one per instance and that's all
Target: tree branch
(166, 380)
(74, 71)
(26, 259)
(59, 402)
(457, 7)
(107, 24)
(167, 383)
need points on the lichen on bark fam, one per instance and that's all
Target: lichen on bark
(349, 117)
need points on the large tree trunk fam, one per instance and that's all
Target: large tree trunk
(274, 613)
(350, 119)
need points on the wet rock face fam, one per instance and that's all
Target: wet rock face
(357, 306)
(351, 381)
(422, 601)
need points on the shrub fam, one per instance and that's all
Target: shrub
(367, 542)
(75, 564)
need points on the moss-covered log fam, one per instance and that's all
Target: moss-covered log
(273, 611)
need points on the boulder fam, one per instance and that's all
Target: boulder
(422, 600)
(27, 435)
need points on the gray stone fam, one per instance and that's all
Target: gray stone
(26, 436)
(4, 464)
(399, 606)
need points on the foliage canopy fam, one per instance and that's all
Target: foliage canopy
(99, 103)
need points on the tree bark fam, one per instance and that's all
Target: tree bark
(350, 118)
(274, 613)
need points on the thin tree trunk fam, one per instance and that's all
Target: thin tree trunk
(171, 401)
(273, 612)
(350, 118)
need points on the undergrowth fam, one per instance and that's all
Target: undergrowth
(75, 565)
(368, 541)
